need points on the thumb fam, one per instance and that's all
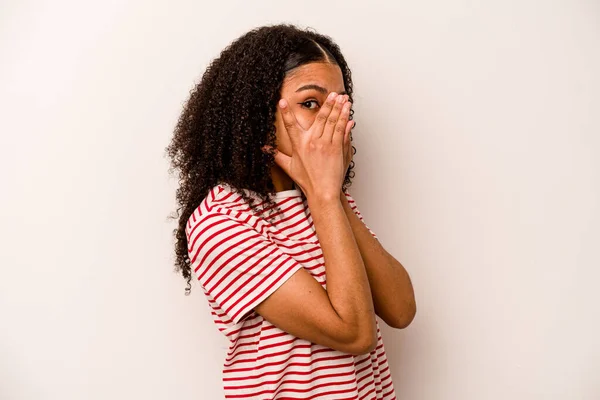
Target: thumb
(282, 160)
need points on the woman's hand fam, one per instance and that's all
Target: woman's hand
(318, 163)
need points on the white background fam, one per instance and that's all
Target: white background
(478, 167)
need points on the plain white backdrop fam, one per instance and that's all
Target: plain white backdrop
(478, 167)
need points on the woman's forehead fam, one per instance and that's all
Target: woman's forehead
(314, 76)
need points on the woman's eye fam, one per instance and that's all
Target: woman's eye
(310, 104)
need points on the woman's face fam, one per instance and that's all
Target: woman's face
(305, 88)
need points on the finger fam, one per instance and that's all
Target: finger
(321, 119)
(348, 143)
(340, 127)
(289, 121)
(333, 119)
(349, 126)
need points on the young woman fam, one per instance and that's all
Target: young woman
(293, 276)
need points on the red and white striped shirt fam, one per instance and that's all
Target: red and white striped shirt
(240, 259)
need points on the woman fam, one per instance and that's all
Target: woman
(293, 276)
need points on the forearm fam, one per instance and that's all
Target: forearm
(348, 286)
(393, 294)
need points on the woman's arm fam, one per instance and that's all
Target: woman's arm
(341, 317)
(392, 290)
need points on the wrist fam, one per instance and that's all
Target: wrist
(323, 201)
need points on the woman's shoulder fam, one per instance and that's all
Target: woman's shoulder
(223, 200)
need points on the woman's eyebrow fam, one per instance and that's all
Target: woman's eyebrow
(318, 88)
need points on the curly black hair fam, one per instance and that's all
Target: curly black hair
(230, 116)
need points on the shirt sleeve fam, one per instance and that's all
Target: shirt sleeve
(236, 265)
(354, 207)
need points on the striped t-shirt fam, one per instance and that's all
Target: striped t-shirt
(239, 260)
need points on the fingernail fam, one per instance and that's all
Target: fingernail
(346, 108)
(331, 96)
(340, 99)
(282, 103)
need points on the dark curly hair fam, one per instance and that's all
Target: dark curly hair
(230, 116)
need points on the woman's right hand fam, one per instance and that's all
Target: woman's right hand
(317, 161)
